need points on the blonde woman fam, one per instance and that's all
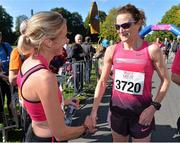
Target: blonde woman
(44, 38)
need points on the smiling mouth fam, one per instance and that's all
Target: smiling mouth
(125, 34)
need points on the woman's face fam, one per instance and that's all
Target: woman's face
(126, 27)
(60, 40)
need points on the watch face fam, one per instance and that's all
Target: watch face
(156, 105)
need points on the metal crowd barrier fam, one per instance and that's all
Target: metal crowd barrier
(9, 123)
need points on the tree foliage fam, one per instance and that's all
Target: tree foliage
(86, 25)
(19, 20)
(107, 27)
(6, 23)
(74, 22)
(172, 16)
(102, 16)
(77, 24)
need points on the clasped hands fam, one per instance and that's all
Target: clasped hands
(90, 122)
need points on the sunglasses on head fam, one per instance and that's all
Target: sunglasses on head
(124, 25)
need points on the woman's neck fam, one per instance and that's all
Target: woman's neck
(48, 56)
(133, 44)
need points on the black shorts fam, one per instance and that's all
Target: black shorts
(126, 125)
(31, 137)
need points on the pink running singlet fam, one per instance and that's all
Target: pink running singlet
(34, 108)
(132, 77)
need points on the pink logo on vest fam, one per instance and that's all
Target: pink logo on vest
(128, 75)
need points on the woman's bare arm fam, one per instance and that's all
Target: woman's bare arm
(47, 92)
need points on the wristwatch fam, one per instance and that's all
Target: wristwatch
(156, 105)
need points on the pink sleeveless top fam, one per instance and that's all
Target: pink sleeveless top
(132, 77)
(34, 108)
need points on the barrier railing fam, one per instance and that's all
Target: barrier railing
(9, 123)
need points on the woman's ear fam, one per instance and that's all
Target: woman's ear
(48, 43)
(139, 24)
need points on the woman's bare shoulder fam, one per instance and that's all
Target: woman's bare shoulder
(154, 50)
(110, 50)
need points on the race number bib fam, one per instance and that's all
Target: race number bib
(129, 82)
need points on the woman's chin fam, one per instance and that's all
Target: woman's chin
(124, 39)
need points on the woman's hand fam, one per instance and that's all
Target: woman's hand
(147, 116)
(73, 101)
(89, 124)
(93, 117)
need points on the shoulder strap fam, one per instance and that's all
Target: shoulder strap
(23, 77)
(29, 72)
(117, 46)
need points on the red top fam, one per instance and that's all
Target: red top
(176, 63)
(132, 74)
(34, 108)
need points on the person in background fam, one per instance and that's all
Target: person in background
(162, 47)
(105, 43)
(89, 51)
(58, 61)
(159, 42)
(17, 58)
(68, 65)
(38, 85)
(68, 51)
(111, 42)
(174, 46)
(134, 61)
(167, 46)
(77, 55)
(98, 57)
(5, 51)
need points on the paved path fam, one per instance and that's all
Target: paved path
(165, 118)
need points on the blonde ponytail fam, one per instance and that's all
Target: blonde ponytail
(24, 44)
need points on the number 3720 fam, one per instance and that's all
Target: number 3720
(129, 86)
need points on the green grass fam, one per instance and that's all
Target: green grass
(13, 47)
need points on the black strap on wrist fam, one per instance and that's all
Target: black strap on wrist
(156, 105)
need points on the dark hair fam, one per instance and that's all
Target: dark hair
(87, 39)
(138, 15)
